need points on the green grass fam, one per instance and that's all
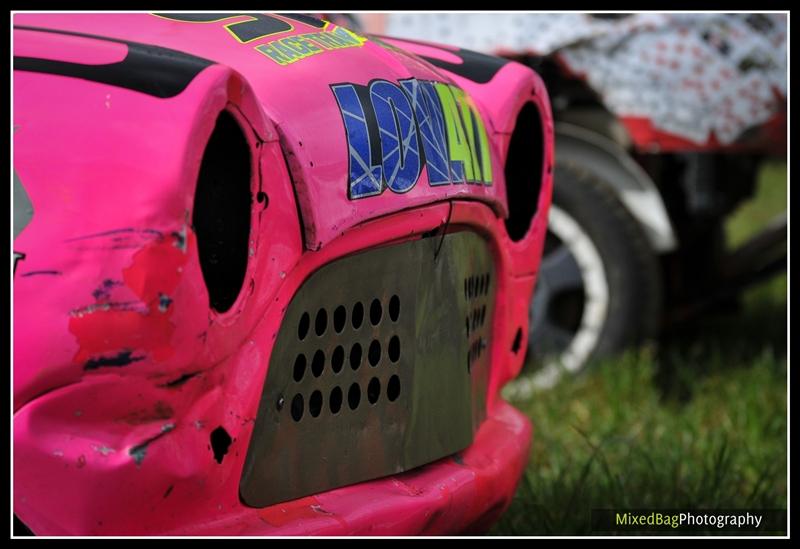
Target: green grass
(700, 423)
(770, 199)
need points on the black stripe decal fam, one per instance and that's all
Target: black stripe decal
(475, 66)
(156, 71)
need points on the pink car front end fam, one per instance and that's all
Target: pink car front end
(270, 276)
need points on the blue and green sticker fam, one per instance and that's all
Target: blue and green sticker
(394, 130)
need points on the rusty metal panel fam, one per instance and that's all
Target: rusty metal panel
(381, 365)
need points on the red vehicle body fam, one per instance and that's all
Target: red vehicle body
(201, 203)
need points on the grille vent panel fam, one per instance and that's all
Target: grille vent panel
(373, 372)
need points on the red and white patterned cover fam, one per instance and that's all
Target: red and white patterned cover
(677, 81)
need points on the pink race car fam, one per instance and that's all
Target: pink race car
(269, 276)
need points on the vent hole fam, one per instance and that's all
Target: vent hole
(394, 349)
(337, 359)
(318, 363)
(373, 390)
(221, 212)
(297, 407)
(299, 367)
(321, 322)
(393, 388)
(220, 442)
(339, 319)
(394, 308)
(355, 356)
(374, 353)
(315, 404)
(375, 312)
(335, 401)
(358, 315)
(302, 328)
(524, 170)
(354, 396)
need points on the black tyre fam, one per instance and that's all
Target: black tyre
(599, 285)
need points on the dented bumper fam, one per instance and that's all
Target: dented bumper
(463, 493)
(164, 453)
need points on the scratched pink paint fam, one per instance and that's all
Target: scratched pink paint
(121, 368)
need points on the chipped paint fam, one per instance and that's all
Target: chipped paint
(164, 301)
(177, 382)
(139, 451)
(123, 358)
(134, 306)
(105, 326)
(103, 291)
(103, 449)
(180, 236)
